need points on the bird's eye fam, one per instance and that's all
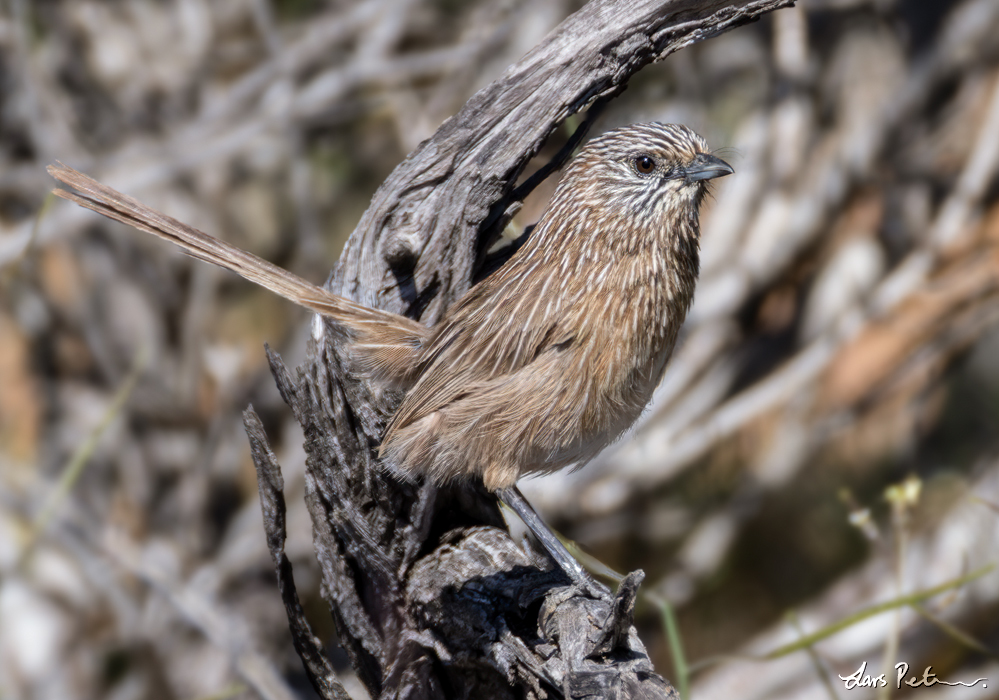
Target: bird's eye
(645, 164)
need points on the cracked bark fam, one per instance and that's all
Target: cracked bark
(431, 597)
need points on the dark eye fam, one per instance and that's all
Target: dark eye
(645, 164)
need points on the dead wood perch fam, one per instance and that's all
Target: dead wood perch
(431, 597)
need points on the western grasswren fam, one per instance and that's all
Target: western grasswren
(553, 356)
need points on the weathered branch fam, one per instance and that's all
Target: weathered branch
(430, 595)
(271, 485)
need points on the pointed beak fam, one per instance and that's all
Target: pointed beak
(705, 166)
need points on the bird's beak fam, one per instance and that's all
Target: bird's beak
(705, 166)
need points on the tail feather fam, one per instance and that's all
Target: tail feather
(387, 344)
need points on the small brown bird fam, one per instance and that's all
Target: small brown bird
(548, 360)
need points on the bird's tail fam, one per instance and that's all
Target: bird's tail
(384, 343)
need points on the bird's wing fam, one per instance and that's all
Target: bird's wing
(476, 346)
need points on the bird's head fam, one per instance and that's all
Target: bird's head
(644, 169)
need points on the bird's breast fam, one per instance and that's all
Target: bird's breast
(627, 321)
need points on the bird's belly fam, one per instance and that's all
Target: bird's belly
(560, 409)
(598, 414)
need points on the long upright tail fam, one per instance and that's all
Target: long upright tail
(385, 344)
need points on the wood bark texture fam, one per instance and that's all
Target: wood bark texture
(430, 595)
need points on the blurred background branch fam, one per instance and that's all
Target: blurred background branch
(844, 334)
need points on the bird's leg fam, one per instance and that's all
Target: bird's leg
(515, 500)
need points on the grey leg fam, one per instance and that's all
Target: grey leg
(513, 498)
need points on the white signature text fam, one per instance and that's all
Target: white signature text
(861, 679)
